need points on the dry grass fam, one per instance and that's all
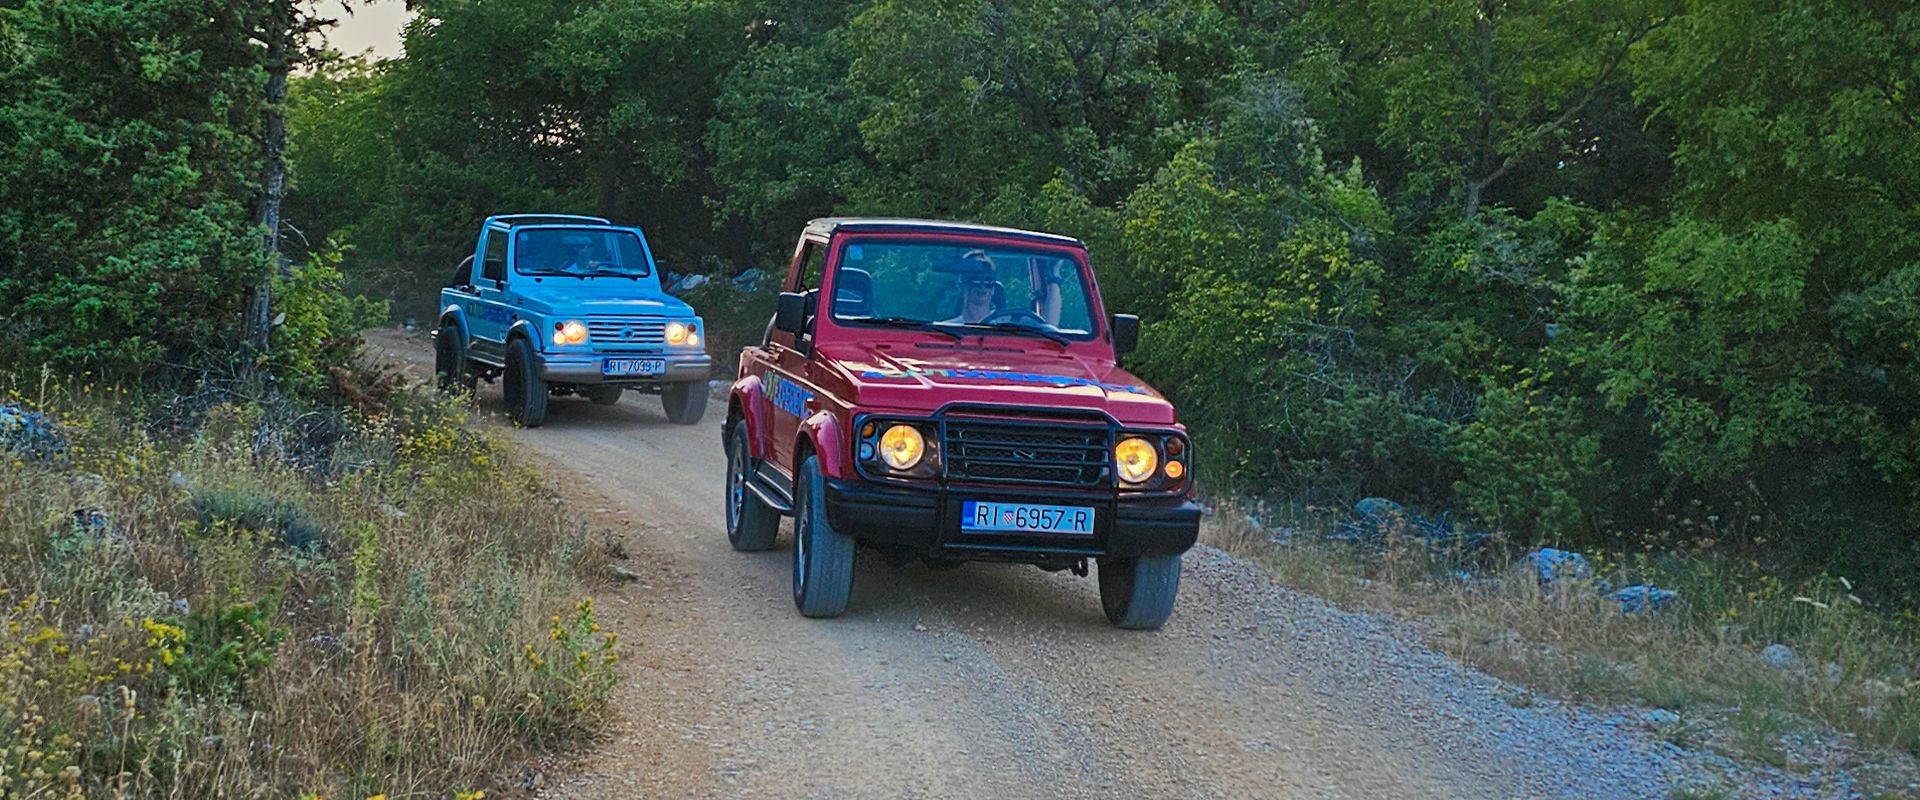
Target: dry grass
(1857, 671)
(169, 641)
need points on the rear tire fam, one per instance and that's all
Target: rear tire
(685, 403)
(451, 371)
(523, 389)
(751, 523)
(1138, 593)
(605, 395)
(822, 556)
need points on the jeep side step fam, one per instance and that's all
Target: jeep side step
(770, 491)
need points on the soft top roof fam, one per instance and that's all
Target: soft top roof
(829, 225)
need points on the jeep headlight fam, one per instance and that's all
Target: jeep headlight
(1136, 459)
(677, 333)
(569, 332)
(902, 447)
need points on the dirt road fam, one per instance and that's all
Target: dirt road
(1004, 682)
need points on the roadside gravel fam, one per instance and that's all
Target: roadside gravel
(1001, 681)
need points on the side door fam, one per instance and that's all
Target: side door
(789, 389)
(488, 319)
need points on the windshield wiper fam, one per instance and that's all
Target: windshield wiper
(915, 324)
(1008, 327)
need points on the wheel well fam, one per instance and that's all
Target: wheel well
(801, 449)
(735, 416)
(519, 335)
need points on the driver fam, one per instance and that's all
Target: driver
(979, 289)
(579, 255)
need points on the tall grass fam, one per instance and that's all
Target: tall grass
(245, 609)
(1856, 670)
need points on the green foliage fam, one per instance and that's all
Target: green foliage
(224, 647)
(317, 326)
(127, 135)
(1528, 464)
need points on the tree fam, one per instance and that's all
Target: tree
(1461, 95)
(129, 133)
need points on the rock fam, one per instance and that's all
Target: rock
(30, 434)
(94, 523)
(1374, 508)
(1779, 656)
(1552, 566)
(1643, 597)
(1659, 717)
(625, 575)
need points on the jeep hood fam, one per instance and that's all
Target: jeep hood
(599, 303)
(922, 377)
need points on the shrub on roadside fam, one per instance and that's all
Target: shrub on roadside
(167, 619)
(1852, 668)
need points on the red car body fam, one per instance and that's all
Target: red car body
(1013, 423)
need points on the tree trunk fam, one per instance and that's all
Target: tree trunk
(279, 37)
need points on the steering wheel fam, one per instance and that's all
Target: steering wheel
(1011, 314)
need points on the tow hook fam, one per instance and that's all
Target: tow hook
(1079, 568)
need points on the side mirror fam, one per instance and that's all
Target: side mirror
(494, 269)
(1126, 333)
(791, 315)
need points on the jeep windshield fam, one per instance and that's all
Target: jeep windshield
(962, 288)
(580, 253)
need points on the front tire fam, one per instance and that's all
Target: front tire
(685, 403)
(822, 556)
(751, 523)
(1138, 593)
(450, 369)
(522, 387)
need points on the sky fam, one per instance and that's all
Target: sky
(371, 25)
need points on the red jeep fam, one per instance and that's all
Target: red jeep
(948, 392)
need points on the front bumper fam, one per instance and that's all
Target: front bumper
(926, 522)
(585, 368)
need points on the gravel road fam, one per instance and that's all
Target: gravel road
(996, 681)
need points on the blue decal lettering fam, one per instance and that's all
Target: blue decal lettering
(787, 395)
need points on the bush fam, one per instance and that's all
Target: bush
(138, 636)
(250, 510)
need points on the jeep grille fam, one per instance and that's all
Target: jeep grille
(623, 332)
(1075, 457)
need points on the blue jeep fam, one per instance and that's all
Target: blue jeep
(561, 305)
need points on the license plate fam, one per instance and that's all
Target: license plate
(633, 366)
(1025, 518)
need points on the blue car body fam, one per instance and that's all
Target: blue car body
(496, 298)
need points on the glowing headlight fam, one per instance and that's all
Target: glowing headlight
(902, 447)
(677, 332)
(1136, 459)
(571, 332)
